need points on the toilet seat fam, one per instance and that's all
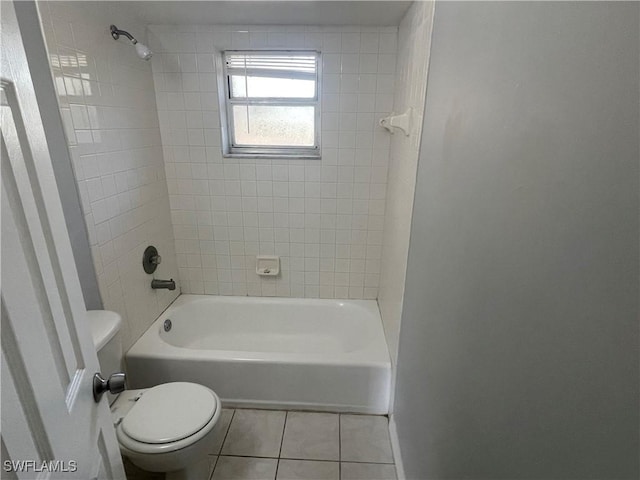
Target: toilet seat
(182, 408)
(169, 417)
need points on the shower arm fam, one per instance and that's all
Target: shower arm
(115, 33)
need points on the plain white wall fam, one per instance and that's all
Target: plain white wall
(519, 344)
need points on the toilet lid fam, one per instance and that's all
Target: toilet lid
(170, 412)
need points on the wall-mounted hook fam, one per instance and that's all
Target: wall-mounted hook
(403, 122)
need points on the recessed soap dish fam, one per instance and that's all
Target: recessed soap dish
(267, 265)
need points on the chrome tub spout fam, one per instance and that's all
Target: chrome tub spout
(168, 284)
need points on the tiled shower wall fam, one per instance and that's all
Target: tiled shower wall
(414, 43)
(324, 218)
(108, 107)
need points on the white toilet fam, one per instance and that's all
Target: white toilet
(166, 428)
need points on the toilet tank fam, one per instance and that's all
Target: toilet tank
(105, 330)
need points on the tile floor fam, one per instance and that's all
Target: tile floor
(284, 445)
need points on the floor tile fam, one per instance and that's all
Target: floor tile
(308, 470)
(255, 433)
(221, 429)
(245, 468)
(313, 436)
(365, 438)
(367, 471)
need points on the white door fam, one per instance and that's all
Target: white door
(51, 426)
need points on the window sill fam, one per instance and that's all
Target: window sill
(268, 156)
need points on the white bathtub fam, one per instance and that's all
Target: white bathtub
(270, 352)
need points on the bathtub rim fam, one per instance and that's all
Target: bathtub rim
(151, 344)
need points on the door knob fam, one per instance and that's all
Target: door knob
(115, 384)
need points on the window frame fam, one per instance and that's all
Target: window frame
(227, 103)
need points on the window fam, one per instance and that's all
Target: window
(272, 103)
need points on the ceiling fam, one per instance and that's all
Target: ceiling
(243, 12)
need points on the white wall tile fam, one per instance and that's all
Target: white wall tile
(108, 104)
(413, 46)
(281, 206)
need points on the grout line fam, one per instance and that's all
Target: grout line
(215, 464)
(302, 410)
(284, 426)
(311, 459)
(226, 434)
(308, 460)
(340, 446)
(250, 456)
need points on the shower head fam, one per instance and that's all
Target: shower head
(142, 50)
